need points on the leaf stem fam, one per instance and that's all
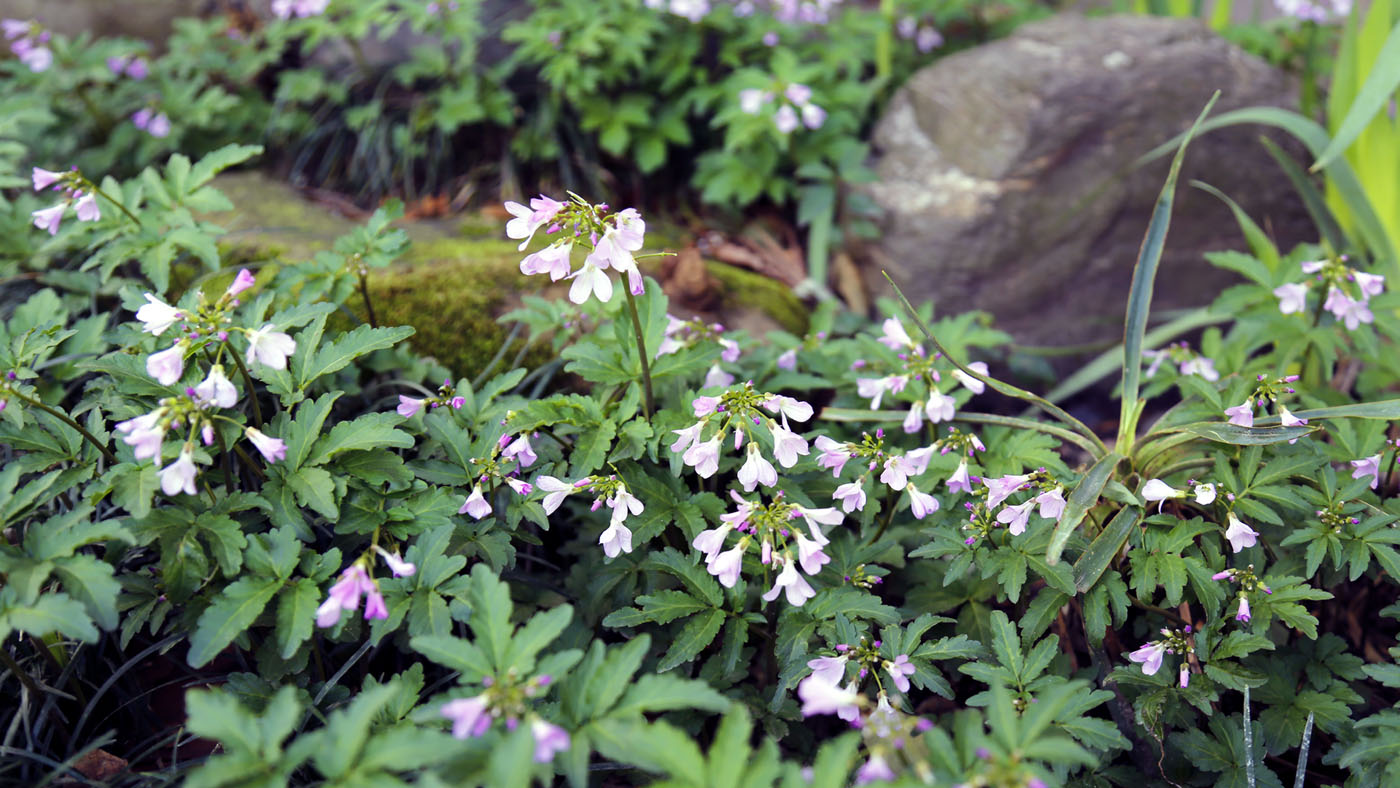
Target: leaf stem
(104, 195)
(641, 352)
(252, 393)
(369, 306)
(66, 419)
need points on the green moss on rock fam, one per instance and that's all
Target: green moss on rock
(746, 290)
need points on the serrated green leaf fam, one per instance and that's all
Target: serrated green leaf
(232, 613)
(697, 633)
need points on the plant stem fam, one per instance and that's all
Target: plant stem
(641, 353)
(104, 195)
(66, 419)
(28, 681)
(252, 394)
(369, 307)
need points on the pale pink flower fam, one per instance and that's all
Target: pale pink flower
(86, 208)
(815, 518)
(344, 595)
(914, 421)
(44, 178)
(1150, 655)
(1368, 466)
(1183, 676)
(726, 566)
(557, 491)
(1287, 419)
(1242, 415)
(468, 715)
(939, 406)
(1370, 284)
(716, 377)
(1052, 503)
(788, 360)
(921, 504)
(798, 94)
(757, 470)
(144, 434)
(552, 260)
(616, 539)
(396, 564)
(167, 365)
(408, 406)
(520, 486)
(875, 768)
(819, 696)
(1243, 613)
(790, 408)
(590, 280)
(156, 316)
(1240, 535)
(1000, 489)
(796, 587)
(810, 554)
(1205, 494)
(476, 504)
(785, 119)
(751, 101)
(1159, 491)
(49, 218)
(216, 389)
(969, 382)
(834, 455)
(875, 388)
(374, 605)
(703, 456)
(897, 471)
(549, 740)
(1348, 310)
(179, 476)
(813, 116)
(272, 449)
(688, 437)
(38, 59)
(1017, 517)
(711, 542)
(900, 670)
(851, 496)
(787, 445)
(894, 337)
(961, 480)
(521, 451)
(1292, 297)
(828, 669)
(241, 282)
(269, 347)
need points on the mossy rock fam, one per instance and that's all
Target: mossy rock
(457, 276)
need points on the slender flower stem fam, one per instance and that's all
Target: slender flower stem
(252, 392)
(66, 419)
(369, 306)
(104, 195)
(641, 352)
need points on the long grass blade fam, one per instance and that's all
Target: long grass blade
(1340, 173)
(1144, 274)
(1259, 242)
(858, 415)
(1313, 200)
(1092, 564)
(1303, 753)
(1375, 94)
(1085, 495)
(1248, 742)
(1000, 386)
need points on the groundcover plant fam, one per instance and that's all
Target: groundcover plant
(251, 540)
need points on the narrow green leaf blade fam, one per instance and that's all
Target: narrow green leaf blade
(1090, 566)
(1085, 495)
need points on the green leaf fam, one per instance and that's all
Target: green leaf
(653, 693)
(296, 611)
(686, 567)
(655, 747)
(1091, 565)
(50, 613)
(454, 653)
(1085, 495)
(666, 606)
(1140, 296)
(541, 630)
(315, 489)
(491, 609)
(233, 612)
(1378, 89)
(336, 355)
(370, 431)
(697, 633)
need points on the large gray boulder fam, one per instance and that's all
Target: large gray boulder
(1005, 172)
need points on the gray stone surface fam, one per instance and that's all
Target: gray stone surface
(1005, 172)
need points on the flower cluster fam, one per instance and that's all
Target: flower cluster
(1319, 11)
(153, 122)
(607, 491)
(742, 410)
(1237, 532)
(937, 406)
(132, 66)
(1046, 499)
(613, 237)
(286, 9)
(773, 530)
(344, 595)
(682, 334)
(515, 452)
(1249, 583)
(80, 193)
(1267, 391)
(1174, 641)
(1348, 291)
(194, 408)
(888, 733)
(925, 36)
(507, 698)
(1186, 360)
(446, 395)
(897, 469)
(794, 109)
(28, 42)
